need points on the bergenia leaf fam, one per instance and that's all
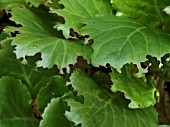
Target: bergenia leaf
(119, 40)
(101, 109)
(38, 37)
(133, 88)
(75, 12)
(15, 105)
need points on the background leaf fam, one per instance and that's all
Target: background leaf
(53, 5)
(34, 3)
(164, 125)
(119, 40)
(133, 88)
(148, 12)
(55, 88)
(3, 36)
(9, 4)
(15, 105)
(56, 110)
(101, 109)
(75, 12)
(35, 78)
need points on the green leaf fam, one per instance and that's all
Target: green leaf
(55, 88)
(48, 18)
(101, 109)
(37, 36)
(164, 125)
(53, 5)
(3, 36)
(148, 12)
(54, 115)
(9, 4)
(75, 12)
(133, 88)
(34, 3)
(119, 40)
(102, 79)
(158, 68)
(15, 106)
(35, 78)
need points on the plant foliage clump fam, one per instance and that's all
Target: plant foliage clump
(89, 63)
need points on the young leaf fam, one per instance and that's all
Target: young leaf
(75, 12)
(54, 115)
(101, 109)
(37, 36)
(148, 12)
(119, 40)
(15, 105)
(135, 89)
(55, 88)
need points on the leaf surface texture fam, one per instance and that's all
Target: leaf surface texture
(38, 37)
(120, 40)
(102, 109)
(15, 105)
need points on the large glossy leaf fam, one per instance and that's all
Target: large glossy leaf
(133, 88)
(54, 115)
(75, 12)
(55, 88)
(119, 40)
(101, 109)
(146, 11)
(9, 4)
(15, 104)
(37, 36)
